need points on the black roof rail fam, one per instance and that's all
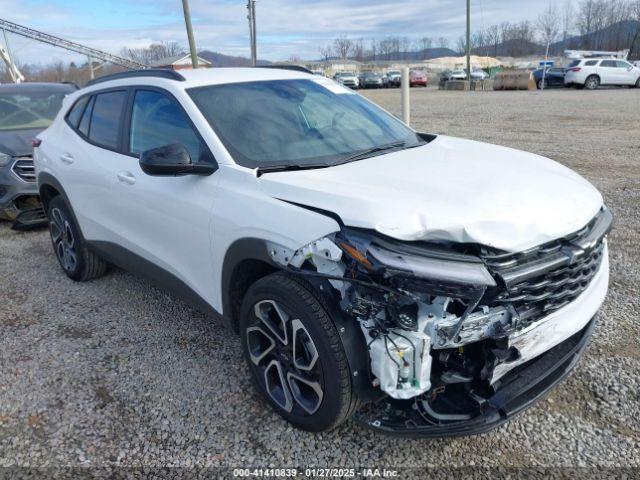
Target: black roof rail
(295, 68)
(150, 72)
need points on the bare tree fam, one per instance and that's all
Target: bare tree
(443, 42)
(425, 43)
(343, 47)
(493, 38)
(154, 52)
(548, 23)
(326, 53)
(568, 17)
(461, 45)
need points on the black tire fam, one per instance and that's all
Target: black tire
(592, 82)
(271, 360)
(637, 85)
(77, 261)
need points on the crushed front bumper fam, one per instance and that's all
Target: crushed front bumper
(517, 391)
(19, 200)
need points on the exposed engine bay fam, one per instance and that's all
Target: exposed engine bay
(437, 319)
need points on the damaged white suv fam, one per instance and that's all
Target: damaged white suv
(425, 285)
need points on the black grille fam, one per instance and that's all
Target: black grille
(25, 169)
(546, 278)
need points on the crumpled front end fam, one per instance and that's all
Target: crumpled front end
(459, 337)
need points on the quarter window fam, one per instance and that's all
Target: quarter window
(86, 118)
(105, 118)
(76, 112)
(591, 63)
(158, 120)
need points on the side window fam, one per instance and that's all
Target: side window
(105, 118)
(73, 117)
(158, 120)
(591, 63)
(608, 63)
(622, 64)
(86, 118)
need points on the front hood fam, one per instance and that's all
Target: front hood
(17, 143)
(449, 190)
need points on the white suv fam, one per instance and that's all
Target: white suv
(590, 73)
(446, 283)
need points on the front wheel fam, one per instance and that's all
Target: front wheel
(295, 354)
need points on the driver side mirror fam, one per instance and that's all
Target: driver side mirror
(172, 160)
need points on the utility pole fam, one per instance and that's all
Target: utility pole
(192, 42)
(469, 40)
(251, 7)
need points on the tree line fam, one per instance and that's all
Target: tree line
(588, 25)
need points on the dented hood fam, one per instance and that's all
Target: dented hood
(449, 190)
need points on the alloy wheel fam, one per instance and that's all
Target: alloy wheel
(286, 359)
(64, 242)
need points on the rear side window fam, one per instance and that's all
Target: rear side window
(591, 63)
(608, 63)
(574, 63)
(105, 118)
(86, 118)
(73, 117)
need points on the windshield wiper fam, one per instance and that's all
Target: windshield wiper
(379, 148)
(288, 168)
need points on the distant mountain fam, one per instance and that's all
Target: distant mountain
(222, 60)
(612, 38)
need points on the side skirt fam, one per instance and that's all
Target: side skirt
(161, 278)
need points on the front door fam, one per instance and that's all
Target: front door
(165, 219)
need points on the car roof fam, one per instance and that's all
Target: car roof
(37, 87)
(188, 78)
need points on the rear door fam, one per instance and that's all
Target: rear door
(86, 160)
(167, 220)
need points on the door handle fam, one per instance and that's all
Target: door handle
(126, 177)
(66, 158)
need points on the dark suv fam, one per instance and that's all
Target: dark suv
(25, 110)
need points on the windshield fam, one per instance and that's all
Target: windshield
(297, 122)
(25, 110)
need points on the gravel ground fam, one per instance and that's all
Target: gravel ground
(116, 372)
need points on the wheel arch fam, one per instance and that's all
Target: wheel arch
(48, 188)
(245, 262)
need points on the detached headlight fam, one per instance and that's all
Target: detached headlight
(467, 273)
(5, 159)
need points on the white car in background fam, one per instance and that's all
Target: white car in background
(347, 79)
(590, 73)
(448, 284)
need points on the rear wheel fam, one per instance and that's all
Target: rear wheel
(77, 261)
(295, 354)
(592, 82)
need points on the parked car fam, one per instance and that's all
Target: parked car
(554, 77)
(590, 73)
(446, 283)
(418, 78)
(395, 78)
(461, 74)
(347, 79)
(25, 110)
(371, 80)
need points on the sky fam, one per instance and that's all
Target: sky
(286, 28)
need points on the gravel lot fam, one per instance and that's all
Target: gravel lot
(116, 372)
